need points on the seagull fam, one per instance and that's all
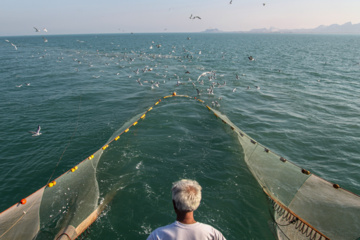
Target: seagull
(139, 82)
(45, 40)
(251, 58)
(37, 133)
(11, 44)
(263, 4)
(230, 1)
(45, 30)
(36, 30)
(193, 17)
(203, 74)
(14, 46)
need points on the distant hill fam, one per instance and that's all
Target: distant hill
(346, 28)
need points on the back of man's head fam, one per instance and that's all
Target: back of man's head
(186, 195)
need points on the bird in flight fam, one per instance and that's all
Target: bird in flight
(14, 46)
(36, 30)
(11, 44)
(37, 133)
(194, 17)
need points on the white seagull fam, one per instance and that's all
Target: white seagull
(11, 44)
(37, 133)
(203, 74)
(14, 46)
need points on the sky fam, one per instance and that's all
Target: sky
(19, 17)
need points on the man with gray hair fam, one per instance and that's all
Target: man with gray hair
(186, 197)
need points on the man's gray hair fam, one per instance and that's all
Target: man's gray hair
(186, 194)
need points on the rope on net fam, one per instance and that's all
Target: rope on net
(291, 218)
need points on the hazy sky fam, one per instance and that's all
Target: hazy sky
(18, 17)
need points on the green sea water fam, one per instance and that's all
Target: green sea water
(83, 88)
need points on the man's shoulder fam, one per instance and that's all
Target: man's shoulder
(216, 234)
(165, 227)
(177, 230)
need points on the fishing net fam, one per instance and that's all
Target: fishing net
(66, 206)
(304, 206)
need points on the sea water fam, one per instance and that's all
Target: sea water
(299, 97)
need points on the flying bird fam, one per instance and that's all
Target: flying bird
(193, 17)
(263, 4)
(11, 44)
(37, 133)
(203, 74)
(36, 30)
(14, 46)
(45, 30)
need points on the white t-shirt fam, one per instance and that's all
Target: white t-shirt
(180, 231)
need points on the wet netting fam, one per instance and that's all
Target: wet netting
(304, 206)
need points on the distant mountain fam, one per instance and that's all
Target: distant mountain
(346, 28)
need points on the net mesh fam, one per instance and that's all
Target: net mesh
(306, 206)
(301, 201)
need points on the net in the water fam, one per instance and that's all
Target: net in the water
(304, 206)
